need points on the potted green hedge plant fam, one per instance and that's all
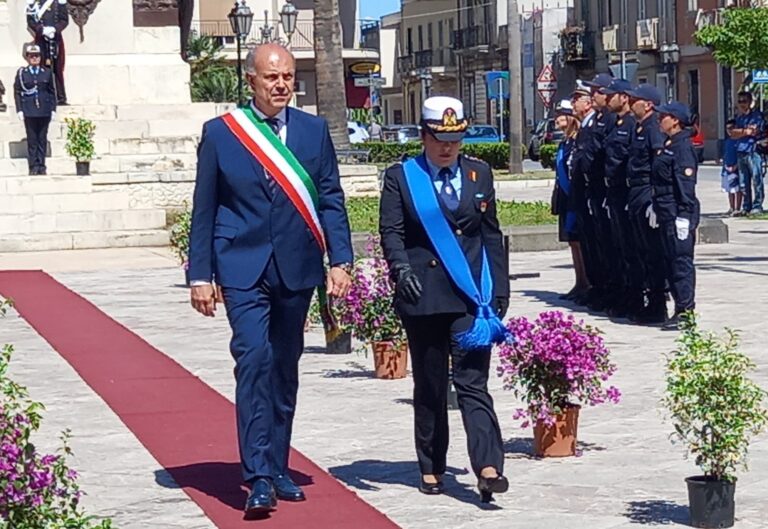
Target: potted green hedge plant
(715, 409)
(180, 237)
(79, 144)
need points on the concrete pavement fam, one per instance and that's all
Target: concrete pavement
(360, 428)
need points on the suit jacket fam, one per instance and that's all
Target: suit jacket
(475, 224)
(39, 104)
(237, 225)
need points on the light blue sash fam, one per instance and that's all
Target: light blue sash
(487, 328)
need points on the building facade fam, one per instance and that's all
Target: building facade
(210, 19)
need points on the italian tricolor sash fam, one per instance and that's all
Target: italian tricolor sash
(259, 139)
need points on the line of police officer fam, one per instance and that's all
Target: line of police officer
(633, 177)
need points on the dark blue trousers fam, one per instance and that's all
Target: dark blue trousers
(681, 273)
(267, 323)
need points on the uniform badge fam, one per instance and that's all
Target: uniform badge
(473, 176)
(688, 171)
(483, 206)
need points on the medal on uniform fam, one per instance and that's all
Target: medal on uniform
(473, 176)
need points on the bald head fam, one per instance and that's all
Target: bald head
(271, 71)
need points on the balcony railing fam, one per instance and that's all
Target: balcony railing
(648, 34)
(472, 37)
(426, 59)
(221, 31)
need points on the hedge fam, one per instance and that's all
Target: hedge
(496, 154)
(548, 153)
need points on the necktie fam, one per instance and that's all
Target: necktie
(447, 192)
(274, 124)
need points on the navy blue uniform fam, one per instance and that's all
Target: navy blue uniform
(35, 96)
(625, 267)
(56, 16)
(647, 140)
(674, 195)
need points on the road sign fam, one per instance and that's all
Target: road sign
(376, 82)
(760, 76)
(546, 84)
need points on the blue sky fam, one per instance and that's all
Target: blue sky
(376, 8)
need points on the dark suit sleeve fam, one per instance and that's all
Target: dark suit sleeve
(493, 241)
(392, 220)
(684, 182)
(35, 27)
(17, 91)
(332, 213)
(204, 210)
(62, 18)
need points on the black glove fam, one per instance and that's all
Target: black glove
(407, 285)
(501, 305)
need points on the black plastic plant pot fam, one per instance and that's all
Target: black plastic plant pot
(83, 168)
(711, 502)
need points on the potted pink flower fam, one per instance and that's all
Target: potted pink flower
(369, 312)
(555, 364)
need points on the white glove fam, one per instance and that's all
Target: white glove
(49, 32)
(650, 214)
(683, 228)
(53, 116)
(20, 115)
(606, 208)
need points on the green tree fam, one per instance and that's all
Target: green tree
(741, 41)
(211, 77)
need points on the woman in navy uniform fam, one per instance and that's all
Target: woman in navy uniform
(674, 188)
(36, 106)
(440, 235)
(565, 205)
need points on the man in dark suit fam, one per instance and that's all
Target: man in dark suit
(433, 299)
(46, 19)
(267, 204)
(36, 106)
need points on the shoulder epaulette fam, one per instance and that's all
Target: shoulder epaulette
(478, 160)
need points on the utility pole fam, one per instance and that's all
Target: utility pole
(515, 90)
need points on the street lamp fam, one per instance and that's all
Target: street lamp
(670, 56)
(288, 16)
(240, 18)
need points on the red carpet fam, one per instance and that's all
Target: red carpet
(187, 426)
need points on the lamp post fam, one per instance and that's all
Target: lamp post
(288, 16)
(670, 56)
(240, 18)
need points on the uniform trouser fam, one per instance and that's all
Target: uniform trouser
(603, 244)
(431, 342)
(626, 264)
(650, 251)
(37, 142)
(678, 257)
(267, 323)
(587, 232)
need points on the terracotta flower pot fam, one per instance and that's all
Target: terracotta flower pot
(558, 440)
(390, 359)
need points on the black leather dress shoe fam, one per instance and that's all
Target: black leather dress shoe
(431, 489)
(487, 486)
(262, 498)
(287, 490)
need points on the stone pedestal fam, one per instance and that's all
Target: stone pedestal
(116, 63)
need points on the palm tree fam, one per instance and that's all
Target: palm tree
(329, 71)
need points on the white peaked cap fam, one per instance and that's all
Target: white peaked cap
(443, 117)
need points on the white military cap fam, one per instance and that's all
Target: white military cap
(443, 117)
(31, 48)
(564, 107)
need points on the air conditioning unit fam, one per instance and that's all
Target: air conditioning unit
(648, 34)
(300, 87)
(610, 37)
(710, 17)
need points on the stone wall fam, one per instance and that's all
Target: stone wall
(170, 190)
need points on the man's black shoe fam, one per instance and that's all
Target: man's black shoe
(262, 498)
(672, 324)
(287, 490)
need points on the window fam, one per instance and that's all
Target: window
(410, 41)
(429, 37)
(397, 117)
(451, 36)
(693, 5)
(440, 39)
(641, 10)
(421, 38)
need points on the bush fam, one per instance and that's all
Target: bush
(548, 154)
(182, 223)
(714, 407)
(211, 78)
(495, 154)
(553, 362)
(37, 491)
(79, 144)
